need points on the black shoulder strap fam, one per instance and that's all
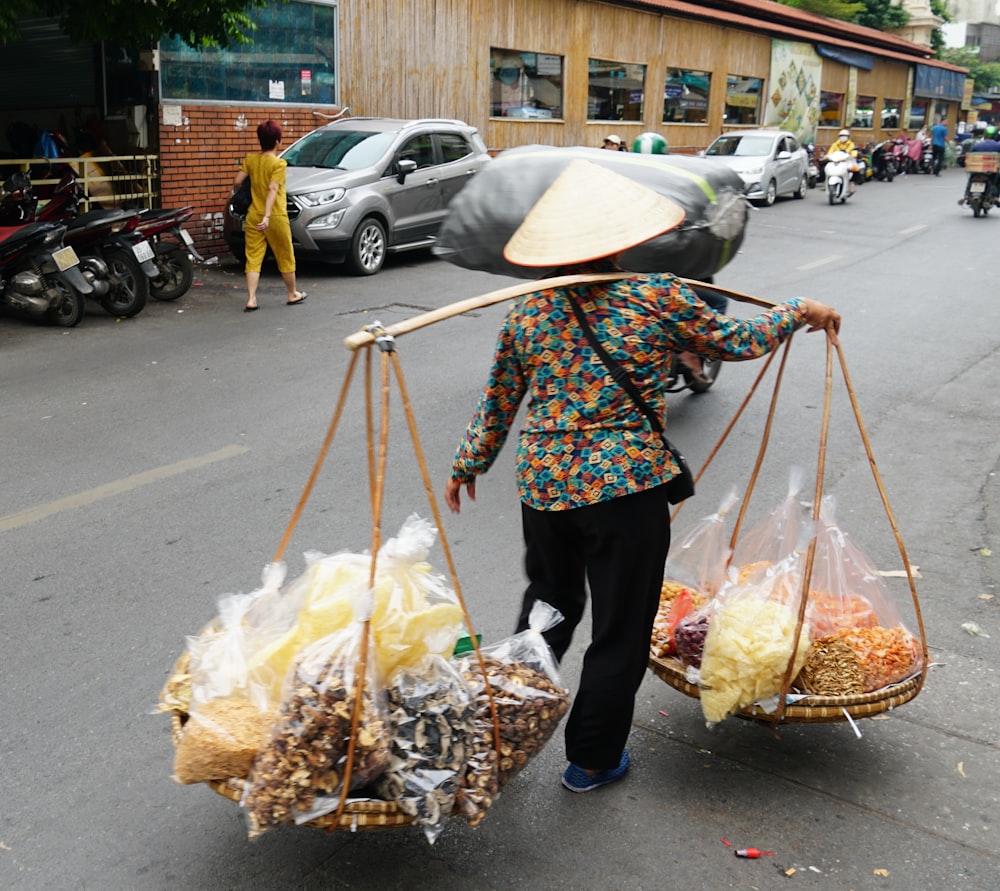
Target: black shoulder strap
(620, 375)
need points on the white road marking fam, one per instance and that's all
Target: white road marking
(118, 487)
(817, 263)
(913, 229)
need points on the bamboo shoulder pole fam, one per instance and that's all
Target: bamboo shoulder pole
(364, 338)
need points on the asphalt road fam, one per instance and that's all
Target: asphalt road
(151, 466)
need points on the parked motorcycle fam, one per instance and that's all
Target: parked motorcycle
(884, 164)
(175, 272)
(116, 261)
(40, 277)
(839, 168)
(813, 173)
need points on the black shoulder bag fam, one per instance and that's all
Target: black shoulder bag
(680, 486)
(239, 203)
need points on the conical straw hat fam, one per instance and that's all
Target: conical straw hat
(587, 213)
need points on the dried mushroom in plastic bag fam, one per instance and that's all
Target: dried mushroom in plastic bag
(431, 714)
(299, 774)
(530, 702)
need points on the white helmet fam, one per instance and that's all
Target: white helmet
(844, 134)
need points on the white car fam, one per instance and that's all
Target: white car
(770, 162)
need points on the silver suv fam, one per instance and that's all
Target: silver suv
(361, 187)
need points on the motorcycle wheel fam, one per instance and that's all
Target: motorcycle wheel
(977, 208)
(129, 285)
(709, 372)
(176, 273)
(71, 308)
(829, 194)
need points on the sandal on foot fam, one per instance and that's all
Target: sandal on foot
(302, 297)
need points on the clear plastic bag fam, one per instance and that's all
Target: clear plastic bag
(698, 559)
(530, 700)
(299, 773)
(773, 537)
(751, 637)
(694, 572)
(415, 611)
(432, 719)
(218, 658)
(859, 641)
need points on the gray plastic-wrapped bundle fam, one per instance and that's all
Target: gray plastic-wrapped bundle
(484, 215)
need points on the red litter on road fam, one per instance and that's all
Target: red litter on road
(752, 853)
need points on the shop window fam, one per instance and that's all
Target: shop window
(864, 113)
(615, 90)
(743, 95)
(292, 60)
(685, 96)
(918, 114)
(525, 85)
(891, 111)
(831, 109)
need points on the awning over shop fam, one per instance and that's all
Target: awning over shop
(865, 61)
(939, 83)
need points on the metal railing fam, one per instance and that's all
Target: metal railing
(107, 180)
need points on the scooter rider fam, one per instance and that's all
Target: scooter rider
(989, 143)
(844, 144)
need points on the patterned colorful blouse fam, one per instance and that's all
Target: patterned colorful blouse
(584, 440)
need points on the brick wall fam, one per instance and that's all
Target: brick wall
(200, 150)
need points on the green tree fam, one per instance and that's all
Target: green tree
(940, 9)
(845, 10)
(984, 75)
(882, 15)
(879, 14)
(138, 22)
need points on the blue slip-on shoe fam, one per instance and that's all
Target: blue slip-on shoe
(576, 779)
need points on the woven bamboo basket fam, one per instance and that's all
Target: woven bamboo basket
(356, 815)
(791, 707)
(809, 709)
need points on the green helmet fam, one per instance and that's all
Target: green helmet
(990, 132)
(651, 144)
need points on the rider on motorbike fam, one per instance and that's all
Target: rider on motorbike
(989, 143)
(844, 144)
(650, 144)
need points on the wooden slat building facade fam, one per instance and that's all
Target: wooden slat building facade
(596, 66)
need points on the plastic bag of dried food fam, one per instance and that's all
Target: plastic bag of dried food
(751, 637)
(698, 558)
(773, 537)
(299, 774)
(485, 214)
(220, 739)
(415, 611)
(530, 702)
(432, 721)
(218, 657)
(694, 572)
(860, 643)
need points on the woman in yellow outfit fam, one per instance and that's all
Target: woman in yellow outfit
(267, 220)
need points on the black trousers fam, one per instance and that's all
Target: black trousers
(618, 548)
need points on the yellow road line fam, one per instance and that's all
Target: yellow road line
(118, 487)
